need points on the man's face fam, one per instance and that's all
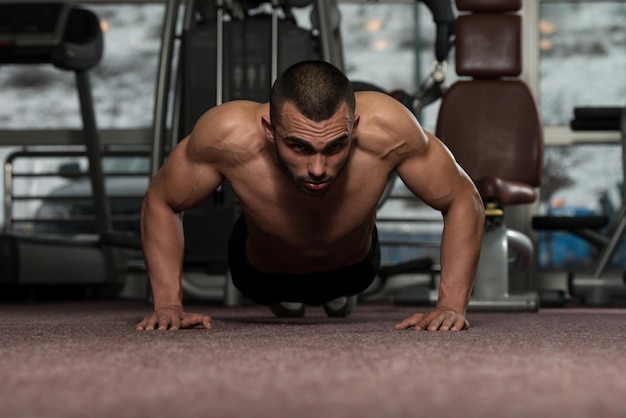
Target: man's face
(312, 154)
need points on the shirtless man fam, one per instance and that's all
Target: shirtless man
(308, 170)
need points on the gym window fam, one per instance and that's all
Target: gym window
(123, 83)
(581, 63)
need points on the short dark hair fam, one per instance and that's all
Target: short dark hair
(316, 88)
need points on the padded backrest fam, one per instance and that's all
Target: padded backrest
(491, 121)
(488, 45)
(494, 129)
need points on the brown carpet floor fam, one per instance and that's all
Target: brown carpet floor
(84, 359)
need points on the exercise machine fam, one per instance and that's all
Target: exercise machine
(69, 38)
(597, 288)
(491, 123)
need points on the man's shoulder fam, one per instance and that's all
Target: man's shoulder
(383, 106)
(241, 114)
(386, 125)
(381, 111)
(228, 135)
(232, 126)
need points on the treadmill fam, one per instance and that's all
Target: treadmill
(69, 38)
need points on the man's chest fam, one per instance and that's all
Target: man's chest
(274, 202)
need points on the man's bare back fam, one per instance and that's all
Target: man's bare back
(309, 191)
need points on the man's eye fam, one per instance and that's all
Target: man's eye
(335, 147)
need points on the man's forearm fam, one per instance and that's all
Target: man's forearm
(163, 247)
(460, 250)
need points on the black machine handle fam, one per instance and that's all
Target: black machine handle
(444, 19)
(597, 118)
(50, 33)
(431, 88)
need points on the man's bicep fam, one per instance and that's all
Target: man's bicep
(185, 180)
(432, 174)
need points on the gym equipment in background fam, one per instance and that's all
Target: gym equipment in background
(431, 88)
(491, 123)
(70, 38)
(598, 288)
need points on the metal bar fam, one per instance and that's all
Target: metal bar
(163, 84)
(9, 176)
(71, 153)
(609, 250)
(219, 59)
(79, 175)
(275, 5)
(618, 227)
(177, 105)
(72, 198)
(8, 197)
(31, 137)
(325, 33)
(92, 143)
(75, 219)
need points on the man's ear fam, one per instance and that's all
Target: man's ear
(268, 127)
(355, 124)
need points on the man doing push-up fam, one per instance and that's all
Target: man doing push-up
(308, 170)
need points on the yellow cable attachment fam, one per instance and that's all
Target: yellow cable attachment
(493, 210)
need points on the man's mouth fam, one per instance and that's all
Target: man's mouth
(316, 186)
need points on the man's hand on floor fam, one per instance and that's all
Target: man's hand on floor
(440, 319)
(173, 318)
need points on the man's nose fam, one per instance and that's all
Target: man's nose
(317, 166)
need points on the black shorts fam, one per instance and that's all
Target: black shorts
(312, 289)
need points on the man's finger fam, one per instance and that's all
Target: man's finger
(196, 319)
(460, 324)
(206, 322)
(448, 323)
(174, 322)
(433, 323)
(163, 322)
(409, 322)
(151, 322)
